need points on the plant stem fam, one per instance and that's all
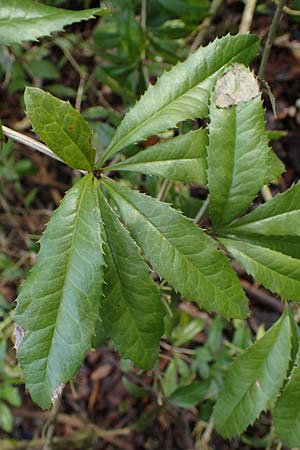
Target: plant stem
(49, 426)
(82, 439)
(286, 9)
(144, 28)
(32, 143)
(266, 193)
(247, 17)
(199, 216)
(204, 26)
(26, 140)
(270, 39)
(164, 190)
(144, 14)
(79, 95)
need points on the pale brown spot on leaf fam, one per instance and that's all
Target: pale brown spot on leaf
(236, 86)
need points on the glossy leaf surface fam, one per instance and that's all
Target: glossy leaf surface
(59, 303)
(180, 252)
(131, 311)
(61, 127)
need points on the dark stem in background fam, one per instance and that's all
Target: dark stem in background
(144, 28)
(49, 427)
(266, 192)
(202, 211)
(270, 39)
(203, 28)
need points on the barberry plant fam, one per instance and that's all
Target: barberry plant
(100, 248)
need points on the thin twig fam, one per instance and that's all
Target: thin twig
(144, 14)
(144, 28)
(206, 436)
(78, 438)
(32, 143)
(204, 26)
(60, 43)
(79, 95)
(49, 427)
(266, 192)
(262, 297)
(177, 351)
(287, 10)
(247, 16)
(270, 39)
(164, 190)
(201, 213)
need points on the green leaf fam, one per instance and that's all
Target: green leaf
(191, 395)
(131, 311)
(253, 380)
(100, 335)
(59, 304)
(276, 271)
(274, 135)
(27, 20)
(183, 334)
(288, 245)
(182, 158)
(43, 69)
(170, 380)
(187, 9)
(287, 411)
(61, 127)
(238, 154)
(278, 217)
(276, 168)
(6, 418)
(183, 92)
(180, 252)
(134, 389)
(10, 394)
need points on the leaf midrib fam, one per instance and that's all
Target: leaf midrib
(62, 131)
(123, 292)
(264, 265)
(66, 276)
(264, 220)
(228, 195)
(250, 386)
(160, 162)
(118, 144)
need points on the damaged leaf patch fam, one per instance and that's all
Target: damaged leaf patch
(236, 86)
(18, 335)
